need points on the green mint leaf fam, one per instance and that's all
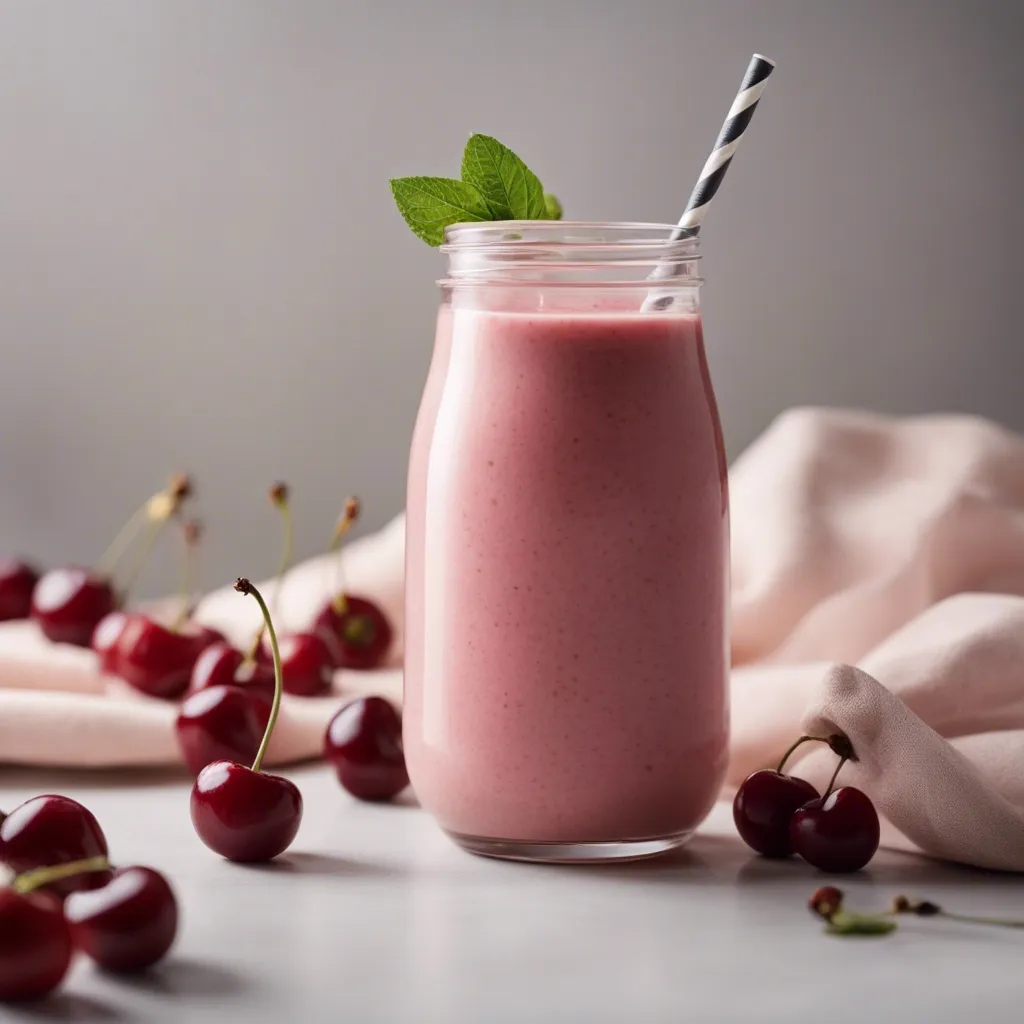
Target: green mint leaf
(429, 205)
(552, 206)
(845, 923)
(509, 188)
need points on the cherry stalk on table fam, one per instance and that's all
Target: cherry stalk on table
(68, 603)
(245, 814)
(358, 626)
(827, 903)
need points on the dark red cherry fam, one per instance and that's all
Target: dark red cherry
(243, 815)
(762, 807)
(104, 640)
(17, 581)
(839, 833)
(221, 723)
(35, 945)
(221, 665)
(362, 632)
(50, 830)
(157, 660)
(67, 604)
(127, 925)
(364, 744)
(307, 663)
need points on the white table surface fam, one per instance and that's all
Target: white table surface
(374, 916)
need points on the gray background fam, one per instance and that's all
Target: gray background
(201, 266)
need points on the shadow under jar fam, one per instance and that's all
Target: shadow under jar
(567, 548)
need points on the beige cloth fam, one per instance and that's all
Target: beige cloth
(892, 545)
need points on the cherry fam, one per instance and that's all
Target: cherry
(68, 603)
(307, 664)
(128, 924)
(220, 664)
(838, 832)
(220, 723)
(156, 659)
(360, 629)
(764, 803)
(242, 813)
(355, 625)
(364, 744)
(35, 945)
(104, 640)
(17, 581)
(53, 830)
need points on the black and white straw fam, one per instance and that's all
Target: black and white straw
(729, 139)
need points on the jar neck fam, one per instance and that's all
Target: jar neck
(556, 254)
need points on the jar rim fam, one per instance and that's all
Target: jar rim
(642, 239)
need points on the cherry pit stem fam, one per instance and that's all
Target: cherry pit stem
(29, 881)
(345, 523)
(243, 586)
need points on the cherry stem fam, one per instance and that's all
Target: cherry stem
(348, 517)
(157, 511)
(803, 739)
(279, 499)
(832, 781)
(243, 586)
(177, 490)
(38, 877)
(191, 531)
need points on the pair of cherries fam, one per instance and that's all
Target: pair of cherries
(248, 815)
(779, 815)
(66, 897)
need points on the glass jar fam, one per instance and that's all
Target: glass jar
(567, 547)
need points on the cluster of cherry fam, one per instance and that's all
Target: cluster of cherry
(66, 897)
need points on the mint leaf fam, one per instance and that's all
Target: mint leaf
(509, 188)
(552, 207)
(429, 205)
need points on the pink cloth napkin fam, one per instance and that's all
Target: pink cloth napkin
(878, 589)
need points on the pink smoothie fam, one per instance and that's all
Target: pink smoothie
(567, 562)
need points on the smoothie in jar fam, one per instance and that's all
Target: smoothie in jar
(567, 560)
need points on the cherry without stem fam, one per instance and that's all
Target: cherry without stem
(220, 664)
(35, 945)
(68, 603)
(221, 723)
(17, 581)
(128, 924)
(245, 814)
(51, 830)
(364, 745)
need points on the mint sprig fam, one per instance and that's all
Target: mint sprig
(496, 185)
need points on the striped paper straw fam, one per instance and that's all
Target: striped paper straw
(729, 138)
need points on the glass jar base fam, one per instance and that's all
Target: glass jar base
(571, 853)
